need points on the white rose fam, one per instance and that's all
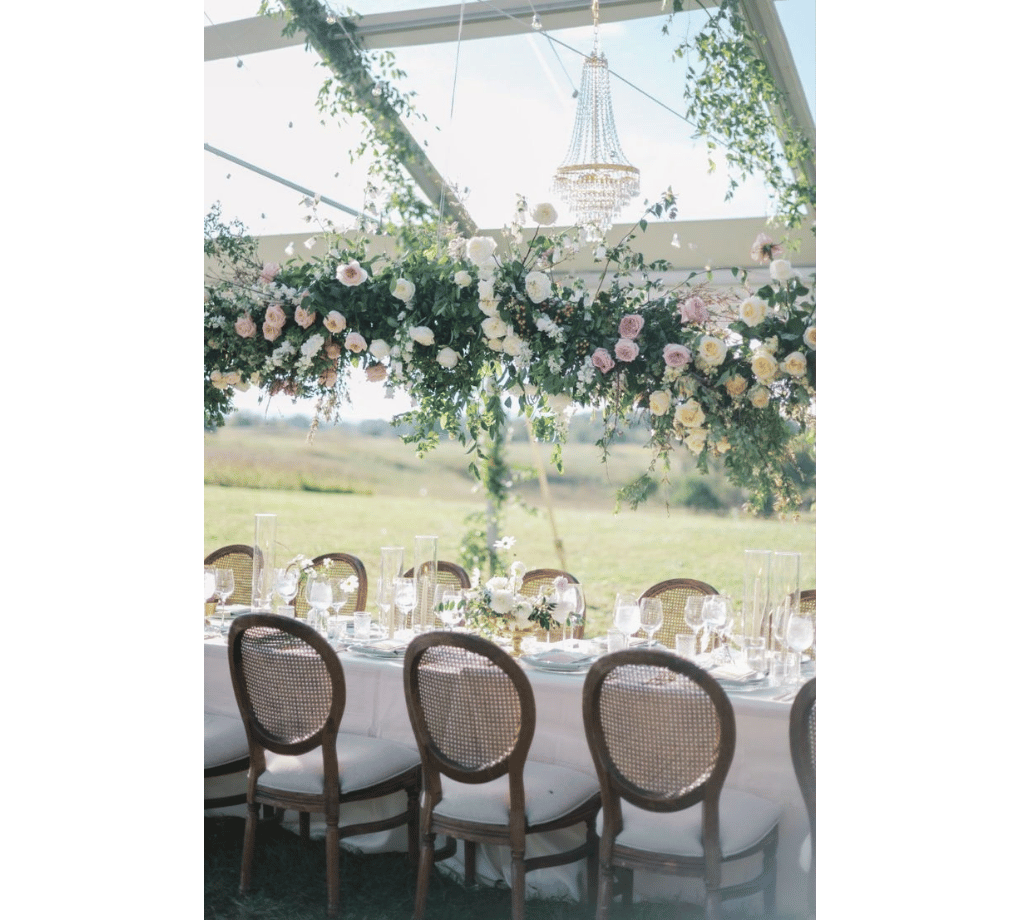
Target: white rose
(753, 310)
(795, 364)
(312, 345)
(690, 415)
(712, 350)
(764, 365)
(422, 335)
(695, 440)
(489, 307)
(403, 290)
(543, 214)
(522, 612)
(781, 270)
(480, 250)
(448, 358)
(811, 337)
(538, 286)
(502, 600)
(493, 327)
(486, 289)
(462, 279)
(759, 397)
(512, 345)
(659, 402)
(379, 349)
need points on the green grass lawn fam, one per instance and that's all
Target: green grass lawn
(389, 495)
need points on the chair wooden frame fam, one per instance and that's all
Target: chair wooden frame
(531, 582)
(224, 557)
(802, 752)
(436, 764)
(616, 786)
(349, 562)
(449, 574)
(673, 622)
(260, 740)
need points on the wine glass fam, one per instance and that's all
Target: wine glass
(210, 594)
(717, 610)
(403, 598)
(340, 594)
(627, 614)
(800, 633)
(319, 594)
(449, 605)
(285, 583)
(651, 617)
(694, 615)
(570, 599)
(224, 588)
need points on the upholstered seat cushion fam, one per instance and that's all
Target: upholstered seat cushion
(364, 761)
(744, 820)
(225, 740)
(549, 793)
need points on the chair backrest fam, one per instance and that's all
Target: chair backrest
(338, 565)
(807, 608)
(802, 749)
(674, 593)
(662, 733)
(533, 581)
(447, 573)
(471, 707)
(237, 557)
(289, 686)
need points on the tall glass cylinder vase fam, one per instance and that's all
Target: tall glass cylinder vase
(785, 595)
(426, 550)
(391, 565)
(754, 615)
(263, 563)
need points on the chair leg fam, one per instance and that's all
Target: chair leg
(592, 870)
(517, 885)
(469, 862)
(413, 843)
(605, 893)
(627, 886)
(305, 823)
(248, 851)
(332, 865)
(425, 861)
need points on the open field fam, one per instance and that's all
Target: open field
(390, 495)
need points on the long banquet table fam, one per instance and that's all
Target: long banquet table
(761, 765)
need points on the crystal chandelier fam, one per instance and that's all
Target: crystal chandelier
(595, 178)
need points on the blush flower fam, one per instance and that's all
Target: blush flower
(333, 351)
(245, 326)
(304, 318)
(328, 377)
(602, 361)
(275, 315)
(631, 325)
(270, 332)
(269, 271)
(676, 355)
(693, 310)
(335, 322)
(376, 373)
(355, 341)
(351, 274)
(764, 249)
(626, 350)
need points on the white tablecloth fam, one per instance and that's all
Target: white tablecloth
(761, 765)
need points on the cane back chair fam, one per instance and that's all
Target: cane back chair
(532, 583)
(290, 689)
(473, 714)
(338, 565)
(807, 608)
(448, 574)
(674, 593)
(238, 558)
(662, 735)
(802, 750)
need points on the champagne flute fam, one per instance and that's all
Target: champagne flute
(403, 598)
(694, 615)
(651, 617)
(224, 588)
(627, 614)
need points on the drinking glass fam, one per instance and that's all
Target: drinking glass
(694, 615)
(757, 578)
(717, 610)
(319, 594)
(403, 599)
(627, 614)
(449, 606)
(210, 583)
(785, 592)
(286, 584)
(571, 602)
(391, 565)
(224, 588)
(800, 633)
(426, 553)
(651, 617)
(340, 594)
(263, 563)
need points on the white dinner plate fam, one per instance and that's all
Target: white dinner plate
(559, 660)
(383, 648)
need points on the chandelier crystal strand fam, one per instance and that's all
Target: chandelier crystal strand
(595, 178)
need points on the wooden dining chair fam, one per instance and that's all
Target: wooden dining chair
(662, 735)
(802, 751)
(532, 583)
(237, 557)
(338, 565)
(449, 574)
(290, 690)
(674, 593)
(473, 714)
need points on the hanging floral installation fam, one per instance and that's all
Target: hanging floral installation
(472, 328)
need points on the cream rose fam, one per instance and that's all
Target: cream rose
(447, 357)
(659, 402)
(375, 373)
(753, 310)
(403, 290)
(335, 322)
(493, 327)
(462, 279)
(811, 337)
(736, 385)
(543, 214)
(270, 332)
(379, 349)
(781, 270)
(759, 397)
(480, 250)
(351, 274)
(245, 327)
(764, 366)
(422, 335)
(538, 286)
(712, 351)
(512, 345)
(695, 440)
(486, 289)
(355, 341)
(489, 307)
(690, 415)
(794, 364)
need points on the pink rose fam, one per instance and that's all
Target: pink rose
(376, 373)
(271, 332)
(693, 310)
(269, 271)
(333, 350)
(328, 377)
(355, 342)
(676, 355)
(245, 327)
(351, 274)
(335, 321)
(275, 315)
(602, 361)
(303, 317)
(630, 325)
(626, 350)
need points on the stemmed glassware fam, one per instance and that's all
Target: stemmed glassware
(717, 610)
(224, 579)
(319, 594)
(340, 593)
(627, 614)
(286, 583)
(403, 598)
(570, 599)
(651, 617)
(449, 605)
(800, 633)
(210, 594)
(694, 615)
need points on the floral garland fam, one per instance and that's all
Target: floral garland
(467, 331)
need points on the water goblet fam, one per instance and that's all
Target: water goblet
(800, 633)
(627, 614)
(694, 614)
(651, 617)
(449, 605)
(340, 594)
(224, 588)
(319, 594)
(210, 595)
(285, 583)
(570, 601)
(403, 598)
(717, 610)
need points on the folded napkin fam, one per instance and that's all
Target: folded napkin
(733, 671)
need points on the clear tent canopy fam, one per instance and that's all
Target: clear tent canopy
(494, 86)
